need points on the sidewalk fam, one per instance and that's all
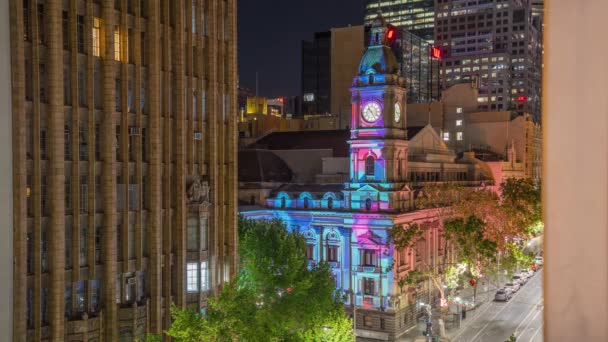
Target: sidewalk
(485, 294)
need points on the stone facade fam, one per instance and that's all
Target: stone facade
(124, 163)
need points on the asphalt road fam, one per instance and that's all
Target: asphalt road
(496, 321)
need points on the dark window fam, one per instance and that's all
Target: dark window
(330, 203)
(332, 253)
(368, 257)
(368, 204)
(368, 286)
(65, 31)
(80, 30)
(310, 252)
(283, 202)
(306, 202)
(369, 166)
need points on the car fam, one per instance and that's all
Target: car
(502, 295)
(521, 279)
(538, 260)
(513, 286)
(529, 272)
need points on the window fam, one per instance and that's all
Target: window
(283, 202)
(204, 276)
(367, 321)
(369, 166)
(27, 34)
(310, 252)
(96, 37)
(98, 234)
(369, 286)
(79, 296)
(64, 30)
(330, 203)
(95, 294)
(446, 136)
(80, 33)
(332, 253)
(459, 110)
(83, 201)
(68, 193)
(117, 43)
(83, 246)
(67, 144)
(192, 277)
(82, 95)
(368, 204)
(458, 122)
(192, 227)
(41, 26)
(368, 257)
(459, 136)
(306, 202)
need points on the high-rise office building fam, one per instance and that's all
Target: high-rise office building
(124, 163)
(417, 16)
(496, 44)
(316, 70)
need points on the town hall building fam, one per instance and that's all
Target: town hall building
(346, 216)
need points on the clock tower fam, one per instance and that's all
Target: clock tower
(378, 136)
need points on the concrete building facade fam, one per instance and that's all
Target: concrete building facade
(497, 44)
(124, 163)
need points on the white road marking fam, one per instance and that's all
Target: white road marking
(537, 331)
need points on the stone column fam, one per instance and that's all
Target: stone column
(55, 169)
(13, 162)
(108, 174)
(155, 163)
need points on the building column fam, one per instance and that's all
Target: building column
(55, 170)
(108, 175)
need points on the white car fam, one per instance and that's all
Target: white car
(529, 272)
(519, 278)
(503, 295)
(513, 287)
(538, 260)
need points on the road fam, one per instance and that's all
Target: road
(496, 321)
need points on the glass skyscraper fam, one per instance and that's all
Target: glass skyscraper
(417, 16)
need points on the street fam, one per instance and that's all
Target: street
(496, 321)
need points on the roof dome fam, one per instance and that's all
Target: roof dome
(378, 59)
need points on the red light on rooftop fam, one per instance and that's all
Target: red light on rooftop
(281, 100)
(522, 98)
(435, 52)
(391, 34)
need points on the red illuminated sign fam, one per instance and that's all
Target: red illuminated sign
(391, 34)
(522, 98)
(435, 52)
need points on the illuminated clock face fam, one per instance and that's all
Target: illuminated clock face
(397, 112)
(371, 112)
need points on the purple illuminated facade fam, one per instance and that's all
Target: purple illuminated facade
(347, 225)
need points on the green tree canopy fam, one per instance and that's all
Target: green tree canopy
(275, 297)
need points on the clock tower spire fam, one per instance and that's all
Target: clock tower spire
(378, 140)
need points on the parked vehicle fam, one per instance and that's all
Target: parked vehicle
(521, 279)
(513, 286)
(502, 295)
(538, 260)
(527, 272)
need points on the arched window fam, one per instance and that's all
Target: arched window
(368, 204)
(369, 166)
(330, 203)
(306, 202)
(283, 202)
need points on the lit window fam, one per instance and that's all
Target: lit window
(459, 110)
(446, 136)
(458, 122)
(192, 277)
(117, 45)
(204, 276)
(96, 36)
(459, 136)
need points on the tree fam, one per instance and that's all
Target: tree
(276, 296)
(521, 199)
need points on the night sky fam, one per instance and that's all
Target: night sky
(270, 35)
